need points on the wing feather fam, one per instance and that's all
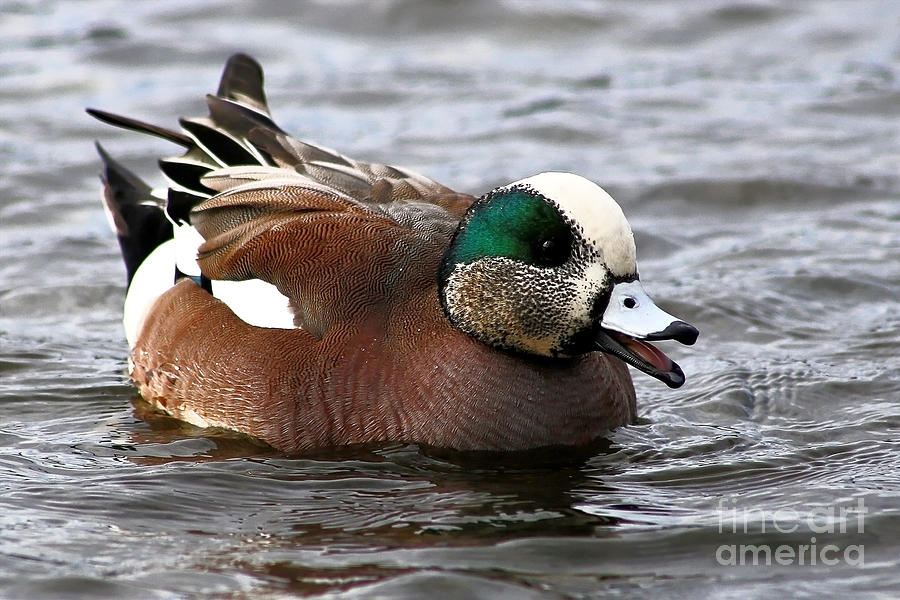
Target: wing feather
(333, 234)
(331, 255)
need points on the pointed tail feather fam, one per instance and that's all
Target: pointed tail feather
(136, 125)
(242, 81)
(239, 132)
(135, 216)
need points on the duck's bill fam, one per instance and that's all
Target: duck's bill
(642, 356)
(631, 320)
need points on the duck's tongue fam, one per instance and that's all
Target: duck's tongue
(647, 352)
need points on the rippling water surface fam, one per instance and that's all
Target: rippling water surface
(755, 147)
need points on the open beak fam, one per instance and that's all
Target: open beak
(630, 320)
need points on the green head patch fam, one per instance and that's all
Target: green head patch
(516, 223)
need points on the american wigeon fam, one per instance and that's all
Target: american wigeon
(308, 299)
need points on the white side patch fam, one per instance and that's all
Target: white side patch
(256, 302)
(155, 275)
(187, 240)
(601, 218)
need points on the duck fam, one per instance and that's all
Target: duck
(279, 289)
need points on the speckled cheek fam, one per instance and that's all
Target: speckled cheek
(591, 283)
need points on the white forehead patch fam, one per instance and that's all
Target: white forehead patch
(600, 217)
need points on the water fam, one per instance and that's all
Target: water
(755, 147)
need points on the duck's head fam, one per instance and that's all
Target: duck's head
(546, 267)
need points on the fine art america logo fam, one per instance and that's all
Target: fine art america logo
(828, 521)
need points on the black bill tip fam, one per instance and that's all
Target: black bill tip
(679, 331)
(674, 378)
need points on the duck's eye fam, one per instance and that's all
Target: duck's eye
(553, 251)
(629, 302)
